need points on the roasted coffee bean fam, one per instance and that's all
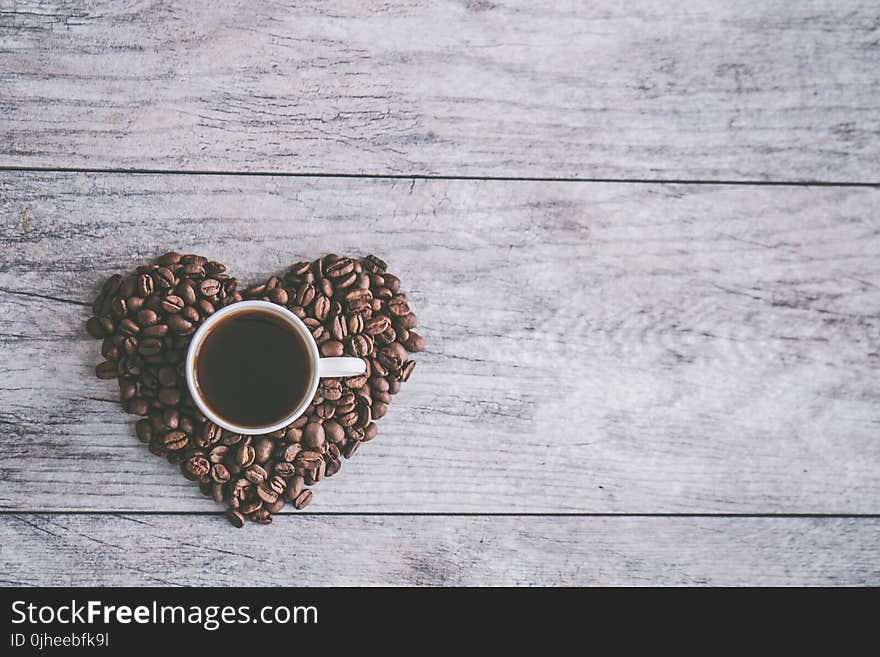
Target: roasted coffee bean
(134, 304)
(193, 271)
(150, 347)
(355, 324)
(209, 434)
(108, 325)
(351, 448)
(95, 328)
(174, 440)
(284, 469)
(356, 382)
(277, 484)
(109, 350)
(374, 264)
(360, 344)
(209, 287)
(128, 286)
(325, 410)
(393, 356)
(170, 418)
(377, 324)
(179, 325)
(163, 278)
(193, 259)
(306, 460)
(406, 370)
(289, 452)
(385, 338)
(186, 425)
(172, 304)
(144, 430)
(220, 473)
(213, 268)
(278, 295)
(218, 453)
(155, 331)
(408, 321)
(168, 259)
(111, 285)
(331, 348)
(305, 294)
(129, 345)
(331, 389)
(205, 308)
(251, 505)
(266, 494)
(313, 436)
(295, 486)
(256, 474)
(332, 467)
(302, 500)
(364, 416)
(392, 282)
(190, 313)
(245, 456)
(261, 516)
(186, 290)
(128, 327)
(358, 300)
(320, 307)
(127, 389)
(370, 431)
(107, 370)
(339, 328)
(196, 467)
(333, 431)
(119, 307)
(263, 449)
(144, 285)
(325, 287)
(275, 506)
(378, 410)
(394, 387)
(236, 519)
(339, 268)
(348, 419)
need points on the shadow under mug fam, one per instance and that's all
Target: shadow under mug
(320, 367)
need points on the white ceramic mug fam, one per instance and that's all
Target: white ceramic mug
(318, 366)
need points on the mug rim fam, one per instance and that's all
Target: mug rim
(198, 338)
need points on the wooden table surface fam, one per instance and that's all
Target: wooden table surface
(643, 240)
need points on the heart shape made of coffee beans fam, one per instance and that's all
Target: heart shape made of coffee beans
(352, 307)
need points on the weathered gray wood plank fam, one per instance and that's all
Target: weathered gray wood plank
(701, 89)
(591, 347)
(470, 551)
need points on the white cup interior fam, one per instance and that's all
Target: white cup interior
(245, 306)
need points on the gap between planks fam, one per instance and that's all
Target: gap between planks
(385, 176)
(465, 514)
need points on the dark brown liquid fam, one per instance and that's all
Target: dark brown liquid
(253, 369)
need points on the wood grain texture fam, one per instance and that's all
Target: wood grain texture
(591, 347)
(124, 550)
(703, 89)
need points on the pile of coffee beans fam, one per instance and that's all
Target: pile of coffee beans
(352, 307)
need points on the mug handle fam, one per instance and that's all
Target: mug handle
(340, 366)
